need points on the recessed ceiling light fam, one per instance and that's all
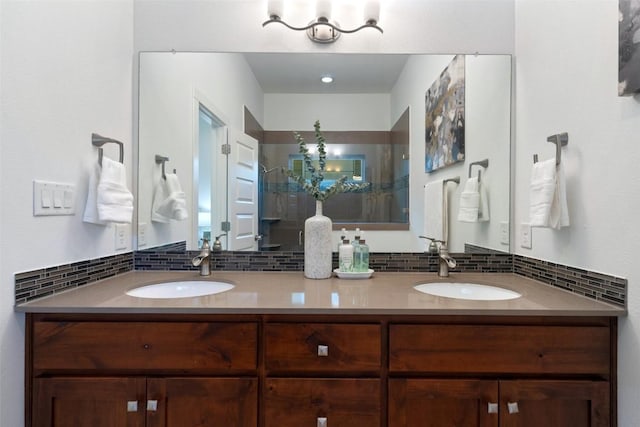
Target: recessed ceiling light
(327, 79)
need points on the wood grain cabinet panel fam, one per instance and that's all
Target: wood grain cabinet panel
(192, 402)
(95, 402)
(537, 403)
(438, 403)
(345, 402)
(206, 347)
(499, 349)
(319, 347)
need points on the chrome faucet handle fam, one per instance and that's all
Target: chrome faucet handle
(433, 246)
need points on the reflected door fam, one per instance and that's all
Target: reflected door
(243, 192)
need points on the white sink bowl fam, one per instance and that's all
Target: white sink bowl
(186, 289)
(468, 291)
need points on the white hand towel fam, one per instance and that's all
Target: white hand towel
(483, 212)
(547, 198)
(433, 208)
(541, 192)
(469, 201)
(114, 200)
(91, 208)
(559, 215)
(169, 201)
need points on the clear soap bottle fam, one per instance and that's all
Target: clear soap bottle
(361, 255)
(343, 235)
(345, 257)
(356, 240)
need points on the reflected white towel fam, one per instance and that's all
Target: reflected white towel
(169, 201)
(547, 197)
(469, 202)
(91, 208)
(114, 200)
(433, 208)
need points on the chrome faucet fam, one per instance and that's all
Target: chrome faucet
(202, 260)
(445, 261)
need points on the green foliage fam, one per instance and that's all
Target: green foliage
(312, 186)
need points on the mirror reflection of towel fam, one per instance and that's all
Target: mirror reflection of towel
(169, 201)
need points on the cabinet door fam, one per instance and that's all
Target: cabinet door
(95, 402)
(441, 402)
(344, 402)
(554, 403)
(191, 402)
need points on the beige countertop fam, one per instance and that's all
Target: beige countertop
(291, 292)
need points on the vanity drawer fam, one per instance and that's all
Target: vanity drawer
(145, 346)
(342, 402)
(322, 347)
(499, 349)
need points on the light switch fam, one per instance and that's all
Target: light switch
(53, 198)
(68, 199)
(45, 198)
(58, 195)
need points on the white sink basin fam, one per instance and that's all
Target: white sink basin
(186, 289)
(469, 291)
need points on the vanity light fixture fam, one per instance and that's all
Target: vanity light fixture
(322, 29)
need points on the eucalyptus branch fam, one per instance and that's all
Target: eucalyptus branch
(313, 185)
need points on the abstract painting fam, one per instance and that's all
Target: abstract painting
(628, 47)
(444, 117)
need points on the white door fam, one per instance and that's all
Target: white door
(243, 192)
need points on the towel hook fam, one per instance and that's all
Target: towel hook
(560, 140)
(161, 160)
(99, 141)
(484, 163)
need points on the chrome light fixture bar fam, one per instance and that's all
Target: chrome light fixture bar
(322, 29)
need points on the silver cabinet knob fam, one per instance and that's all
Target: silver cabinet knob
(322, 422)
(513, 407)
(132, 406)
(257, 237)
(152, 405)
(492, 408)
(323, 350)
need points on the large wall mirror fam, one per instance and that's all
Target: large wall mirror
(215, 130)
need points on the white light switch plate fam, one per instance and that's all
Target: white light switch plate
(525, 235)
(142, 234)
(121, 236)
(504, 232)
(53, 198)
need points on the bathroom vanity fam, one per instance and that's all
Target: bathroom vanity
(281, 350)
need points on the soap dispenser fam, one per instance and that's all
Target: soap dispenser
(361, 255)
(345, 257)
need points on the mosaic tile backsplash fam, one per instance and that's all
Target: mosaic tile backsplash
(38, 283)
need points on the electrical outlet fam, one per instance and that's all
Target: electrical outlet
(142, 234)
(504, 232)
(525, 235)
(121, 236)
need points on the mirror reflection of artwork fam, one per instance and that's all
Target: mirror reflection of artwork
(444, 117)
(629, 47)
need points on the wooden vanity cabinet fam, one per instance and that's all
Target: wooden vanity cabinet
(141, 371)
(322, 374)
(320, 370)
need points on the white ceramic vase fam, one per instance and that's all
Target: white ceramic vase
(317, 245)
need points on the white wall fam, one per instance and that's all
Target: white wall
(66, 72)
(566, 68)
(336, 112)
(169, 86)
(410, 26)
